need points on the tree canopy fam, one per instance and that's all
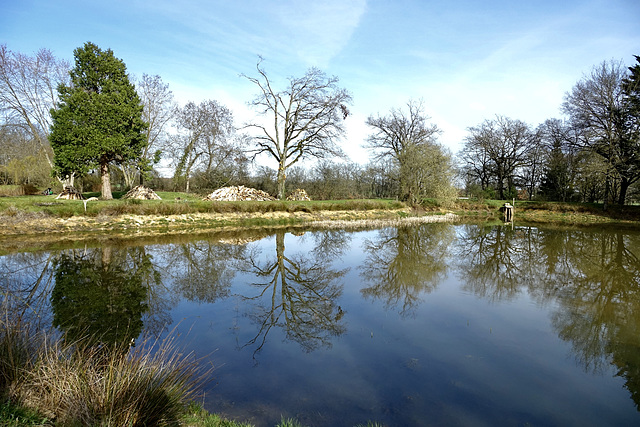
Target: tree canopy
(203, 140)
(400, 129)
(405, 138)
(99, 117)
(495, 150)
(598, 106)
(306, 118)
(28, 92)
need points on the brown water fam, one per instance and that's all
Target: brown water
(436, 324)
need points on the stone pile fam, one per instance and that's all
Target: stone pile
(70, 193)
(299, 195)
(232, 194)
(141, 192)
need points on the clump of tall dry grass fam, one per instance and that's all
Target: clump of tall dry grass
(18, 347)
(76, 384)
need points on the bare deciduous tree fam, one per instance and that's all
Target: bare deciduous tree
(400, 129)
(203, 138)
(28, 91)
(502, 146)
(596, 105)
(305, 119)
(159, 109)
(424, 168)
(22, 159)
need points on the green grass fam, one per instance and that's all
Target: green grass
(12, 415)
(171, 204)
(549, 212)
(196, 416)
(289, 422)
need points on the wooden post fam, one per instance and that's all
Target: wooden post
(508, 212)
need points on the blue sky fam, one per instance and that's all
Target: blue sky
(468, 60)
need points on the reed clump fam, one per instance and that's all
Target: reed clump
(77, 384)
(18, 347)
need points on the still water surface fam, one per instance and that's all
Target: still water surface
(436, 324)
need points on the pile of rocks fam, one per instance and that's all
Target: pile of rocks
(232, 194)
(70, 193)
(299, 195)
(141, 192)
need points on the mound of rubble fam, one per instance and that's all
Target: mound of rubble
(141, 192)
(70, 193)
(299, 195)
(233, 194)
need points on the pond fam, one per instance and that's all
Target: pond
(433, 324)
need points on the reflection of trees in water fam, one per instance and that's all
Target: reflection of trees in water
(593, 276)
(202, 271)
(25, 283)
(99, 295)
(403, 263)
(330, 244)
(498, 263)
(298, 293)
(109, 293)
(601, 302)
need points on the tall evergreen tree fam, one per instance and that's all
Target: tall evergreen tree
(631, 87)
(559, 160)
(556, 182)
(99, 117)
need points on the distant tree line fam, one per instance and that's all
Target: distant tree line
(94, 126)
(592, 155)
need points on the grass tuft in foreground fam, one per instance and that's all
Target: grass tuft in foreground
(18, 416)
(97, 386)
(74, 384)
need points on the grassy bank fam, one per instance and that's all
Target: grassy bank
(174, 204)
(47, 380)
(177, 212)
(44, 219)
(551, 212)
(30, 207)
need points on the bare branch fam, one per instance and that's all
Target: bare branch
(307, 118)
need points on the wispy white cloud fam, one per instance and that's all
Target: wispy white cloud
(310, 33)
(317, 31)
(468, 60)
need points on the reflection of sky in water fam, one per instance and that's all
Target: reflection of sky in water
(451, 348)
(452, 359)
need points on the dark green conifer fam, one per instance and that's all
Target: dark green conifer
(99, 117)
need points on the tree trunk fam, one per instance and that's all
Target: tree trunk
(606, 192)
(68, 181)
(624, 185)
(106, 182)
(129, 175)
(500, 186)
(106, 257)
(281, 178)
